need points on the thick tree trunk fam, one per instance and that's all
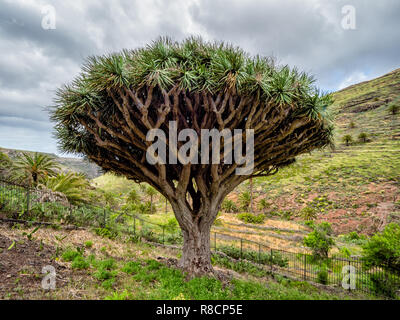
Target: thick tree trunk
(196, 255)
(195, 226)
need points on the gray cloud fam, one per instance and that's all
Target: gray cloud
(308, 34)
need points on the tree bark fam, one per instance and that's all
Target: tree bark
(196, 227)
(196, 255)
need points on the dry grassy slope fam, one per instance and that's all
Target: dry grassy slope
(355, 187)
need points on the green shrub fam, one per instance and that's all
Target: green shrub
(88, 244)
(322, 275)
(251, 218)
(132, 267)
(103, 274)
(106, 233)
(383, 249)
(244, 199)
(383, 284)
(124, 295)
(108, 264)
(229, 206)
(80, 263)
(70, 255)
(108, 284)
(320, 240)
(308, 213)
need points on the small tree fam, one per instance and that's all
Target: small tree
(151, 192)
(347, 139)
(118, 99)
(33, 169)
(394, 108)
(363, 137)
(320, 240)
(352, 125)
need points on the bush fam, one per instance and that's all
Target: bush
(88, 244)
(106, 233)
(323, 275)
(80, 263)
(251, 218)
(347, 139)
(320, 240)
(384, 248)
(103, 274)
(70, 255)
(363, 137)
(308, 213)
(244, 199)
(132, 267)
(383, 284)
(229, 206)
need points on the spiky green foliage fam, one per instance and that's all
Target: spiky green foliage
(347, 139)
(5, 165)
(193, 65)
(33, 169)
(72, 185)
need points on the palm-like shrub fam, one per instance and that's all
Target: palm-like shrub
(308, 213)
(363, 137)
(263, 205)
(151, 192)
(5, 165)
(72, 185)
(229, 206)
(394, 108)
(347, 139)
(244, 200)
(33, 169)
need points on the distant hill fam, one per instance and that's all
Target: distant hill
(356, 187)
(67, 164)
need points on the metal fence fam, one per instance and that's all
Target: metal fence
(21, 202)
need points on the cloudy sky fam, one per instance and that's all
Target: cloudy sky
(39, 53)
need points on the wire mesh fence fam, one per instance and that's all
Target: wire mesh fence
(22, 202)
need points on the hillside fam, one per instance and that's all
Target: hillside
(67, 164)
(355, 187)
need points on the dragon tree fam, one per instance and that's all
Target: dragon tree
(107, 112)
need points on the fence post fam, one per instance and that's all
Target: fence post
(134, 226)
(163, 234)
(305, 267)
(271, 259)
(28, 200)
(241, 248)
